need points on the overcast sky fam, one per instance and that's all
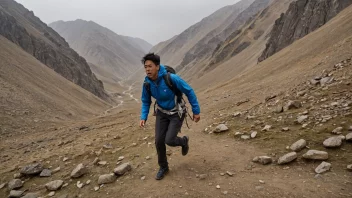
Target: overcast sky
(151, 20)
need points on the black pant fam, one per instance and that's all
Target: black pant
(166, 130)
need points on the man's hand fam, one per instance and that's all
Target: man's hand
(142, 123)
(196, 118)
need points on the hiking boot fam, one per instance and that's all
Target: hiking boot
(161, 173)
(185, 148)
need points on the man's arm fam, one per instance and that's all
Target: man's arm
(188, 91)
(146, 102)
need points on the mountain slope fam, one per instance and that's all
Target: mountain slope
(20, 26)
(33, 94)
(302, 17)
(119, 55)
(173, 51)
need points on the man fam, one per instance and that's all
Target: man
(170, 113)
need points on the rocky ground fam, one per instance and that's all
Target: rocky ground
(294, 144)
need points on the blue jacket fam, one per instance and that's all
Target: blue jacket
(164, 96)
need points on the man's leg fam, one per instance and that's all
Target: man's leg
(174, 127)
(161, 126)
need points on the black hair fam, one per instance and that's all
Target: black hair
(152, 57)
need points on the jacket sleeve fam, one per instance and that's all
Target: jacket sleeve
(188, 91)
(146, 102)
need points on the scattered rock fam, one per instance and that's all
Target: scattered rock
(326, 80)
(245, 137)
(301, 119)
(17, 175)
(79, 171)
(350, 128)
(16, 193)
(221, 128)
(337, 131)
(263, 160)
(2, 185)
(299, 145)
(314, 82)
(79, 184)
(349, 137)
(106, 179)
(102, 163)
(261, 181)
(218, 186)
(120, 158)
(323, 167)
(88, 182)
(45, 173)
(143, 178)
(279, 109)
(65, 159)
(333, 142)
(229, 173)
(292, 105)
(285, 129)
(254, 134)
(266, 128)
(301, 93)
(31, 195)
(14, 184)
(203, 176)
(122, 169)
(56, 170)
(147, 158)
(316, 155)
(287, 158)
(237, 114)
(51, 194)
(32, 169)
(54, 185)
(107, 146)
(349, 167)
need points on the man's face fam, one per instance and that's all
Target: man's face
(151, 69)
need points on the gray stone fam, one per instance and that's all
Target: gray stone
(299, 145)
(287, 158)
(337, 131)
(56, 170)
(106, 179)
(2, 185)
(316, 155)
(266, 128)
(279, 109)
(326, 80)
(15, 184)
(31, 195)
(292, 105)
(17, 175)
(314, 82)
(254, 134)
(45, 173)
(349, 167)
(51, 194)
(301, 119)
(237, 114)
(349, 137)
(323, 167)
(221, 128)
(263, 160)
(285, 129)
(79, 171)
(203, 176)
(333, 142)
(54, 185)
(16, 193)
(245, 137)
(122, 169)
(350, 128)
(32, 169)
(302, 93)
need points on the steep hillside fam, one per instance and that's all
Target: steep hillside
(302, 17)
(174, 50)
(206, 46)
(21, 27)
(119, 55)
(31, 94)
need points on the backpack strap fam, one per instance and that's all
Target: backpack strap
(177, 92)
(147, 87)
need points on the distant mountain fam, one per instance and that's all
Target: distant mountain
(23, 28)
(118, 55)
(173, 51)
